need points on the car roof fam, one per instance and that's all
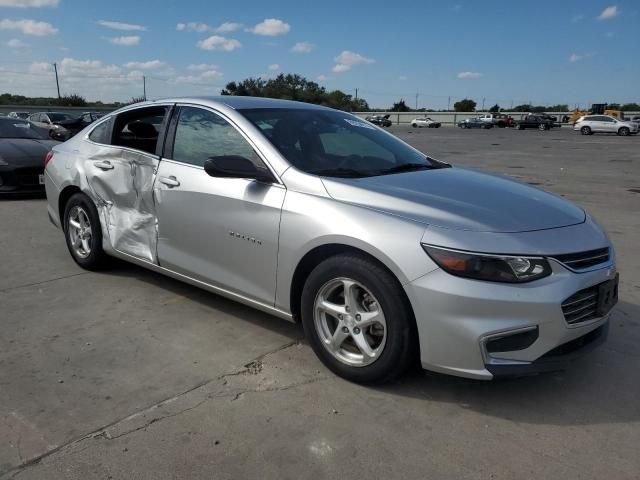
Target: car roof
(239, 102)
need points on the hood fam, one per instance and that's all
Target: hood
(24, 151)
(459, 198)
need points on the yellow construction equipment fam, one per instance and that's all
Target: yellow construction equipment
(596, 109)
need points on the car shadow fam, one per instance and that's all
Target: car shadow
(207, 299)
(601, 387)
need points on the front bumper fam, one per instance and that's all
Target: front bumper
(20, 180)
(457, 317)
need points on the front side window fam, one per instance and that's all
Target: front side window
(201, 134)
(337, 144)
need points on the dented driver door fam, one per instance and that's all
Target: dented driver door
(121, 178)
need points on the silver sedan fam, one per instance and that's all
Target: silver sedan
(386, 255)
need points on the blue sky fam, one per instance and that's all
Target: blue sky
(501, 51)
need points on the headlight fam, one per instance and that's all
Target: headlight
(491, 268)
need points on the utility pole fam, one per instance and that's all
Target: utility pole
(356, 94)
(417, 94)
(449, 103)
(144, 87)
(55, 68)
(483, 104)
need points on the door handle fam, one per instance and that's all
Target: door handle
(106, 165)
(169, 181)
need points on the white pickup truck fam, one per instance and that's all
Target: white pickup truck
(497, 119)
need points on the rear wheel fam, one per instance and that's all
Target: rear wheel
(542, 127)
(414, 125)
(585, 131)
(624, 131)
(357, 319)
(520, 127)
(83, 232)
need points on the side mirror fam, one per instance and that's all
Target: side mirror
(235, 166)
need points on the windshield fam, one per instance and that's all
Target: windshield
(15, 128)
(58, 117)
(336, 144)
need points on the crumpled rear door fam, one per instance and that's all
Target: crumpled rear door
(122, 182)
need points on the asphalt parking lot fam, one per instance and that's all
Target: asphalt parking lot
(128, 374)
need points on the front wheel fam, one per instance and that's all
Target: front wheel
(624, 131)
(585, 131)
(83, 232)
(520, 127)
(358, 320)
(414, 125)
(542, 127)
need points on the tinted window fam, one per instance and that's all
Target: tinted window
(102, 133)
(201, 134)
(58, 117)
(140, 129)
(332, 143)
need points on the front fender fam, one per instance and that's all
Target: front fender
(310, 221)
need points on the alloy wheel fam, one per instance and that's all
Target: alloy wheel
(79, 231)
(350, 322)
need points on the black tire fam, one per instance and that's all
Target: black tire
(96, 259)
(414, 125)
(501, 124)
(542, 127)
(585, 131)
(401, 346)
(624, 131)
(520, 127)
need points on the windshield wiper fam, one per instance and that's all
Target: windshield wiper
(340, 172)
(407, 167)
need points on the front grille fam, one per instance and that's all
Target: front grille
(28, 176)
(581, 306)
(581, 260)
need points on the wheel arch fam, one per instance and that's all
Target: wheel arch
(64, 196)
(317, 255)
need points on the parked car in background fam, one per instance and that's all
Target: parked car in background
(497, 119)
(380, 120)
(475, 123)
(590, 124)
(386, 255)
(23, 148)
(54, 123)
(22, 115)
(533, 120)
(80, 122)
(424, 122)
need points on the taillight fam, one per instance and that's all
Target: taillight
(48, 157)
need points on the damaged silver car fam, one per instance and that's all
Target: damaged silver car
(384, 254)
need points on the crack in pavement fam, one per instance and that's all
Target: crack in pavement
(8, 289)
(251, 368)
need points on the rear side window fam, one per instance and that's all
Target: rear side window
(102, 133)
(140, 129)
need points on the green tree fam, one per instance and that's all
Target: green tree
(560, 107)
(71, 100)
(295, 87)
(524, 107)
(495, 108)
(630, 107)
(465, 105)
(400, 106)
